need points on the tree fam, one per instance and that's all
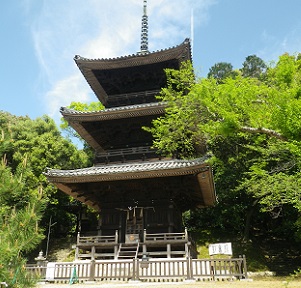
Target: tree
(20, 214)
(171, 135)
(221, 70)
(78, 106)
(253, 66)
(40, 142)
(259, 118)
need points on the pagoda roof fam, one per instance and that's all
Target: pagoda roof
(198, 171)
(121, 171)
(115, 112)
(98, 136)
(132, 73)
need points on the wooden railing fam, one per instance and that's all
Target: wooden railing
(165, 236)
(133, 153)
(145, 270)
(151, 93)
(94, 240)
(126, 151)
(38, 271)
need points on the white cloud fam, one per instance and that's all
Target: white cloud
(65, 91)
(275, 46)
(100, 29)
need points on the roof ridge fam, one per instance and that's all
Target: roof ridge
(133, 166)
(66, 110)
(138, 54)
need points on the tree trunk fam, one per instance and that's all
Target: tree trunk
(250, 213)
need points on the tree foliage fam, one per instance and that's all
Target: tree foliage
(20, 213)
(40, 144)
(253, 66)
(252, 127)
(78, 106)
(221, 70)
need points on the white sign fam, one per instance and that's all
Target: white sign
(50, 271)
(220, 248)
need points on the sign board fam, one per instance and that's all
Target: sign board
(50, 271)
(131, 238)
(220, 248)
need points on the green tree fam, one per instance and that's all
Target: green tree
(78, 106)
(20, 213)
(221, 70)
(40, 142)
(258, 119)
(253, 66)
(171, 135)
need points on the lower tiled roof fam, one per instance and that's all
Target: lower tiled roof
(133, 170)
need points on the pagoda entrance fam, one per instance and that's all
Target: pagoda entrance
(134, 224)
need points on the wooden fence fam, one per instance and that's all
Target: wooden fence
(143, 270)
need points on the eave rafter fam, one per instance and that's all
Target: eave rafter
(123, 172)
(88, 66)
(90, 201)
(77, 119)
(197, 173)
(114, 113)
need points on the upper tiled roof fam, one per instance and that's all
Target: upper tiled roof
(133, 73)
(78, 58)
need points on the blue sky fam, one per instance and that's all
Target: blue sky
(39, 39)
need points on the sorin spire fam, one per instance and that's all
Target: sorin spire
(144, 30)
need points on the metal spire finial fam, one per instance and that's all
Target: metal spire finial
(144, 30)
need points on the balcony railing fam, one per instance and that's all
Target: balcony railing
(96, 240)
(165, 237)
(143, 270)
(139, 153)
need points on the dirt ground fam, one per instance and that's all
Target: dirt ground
(277, 283)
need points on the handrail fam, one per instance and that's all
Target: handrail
(165, 236)
(139, 269)
(135, 94)
(126, 151)
(97, 239)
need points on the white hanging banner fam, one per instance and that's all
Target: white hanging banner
(220, 248)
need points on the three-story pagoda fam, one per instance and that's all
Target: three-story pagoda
(139, 195)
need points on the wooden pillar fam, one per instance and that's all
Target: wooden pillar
(168, 250)
(144, 235)
(187, 250)
(92, 270)
(99, 231)
(135, 275)
(144, 249)
(245, 266)
(122, 227)
(170, 217)
(186, 234)
(116, 236)
(189, 269)
(116, 251)
(76, 253)
(77, 249)
(93, 253)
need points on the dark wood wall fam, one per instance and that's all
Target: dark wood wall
(166, 218)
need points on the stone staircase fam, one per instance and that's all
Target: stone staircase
(128, 251)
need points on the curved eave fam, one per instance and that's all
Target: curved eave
(135, 171)
(122, 112)
(77, 118)
(181, 52)
(125, 172)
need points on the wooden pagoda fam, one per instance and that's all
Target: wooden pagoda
(139, 195)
